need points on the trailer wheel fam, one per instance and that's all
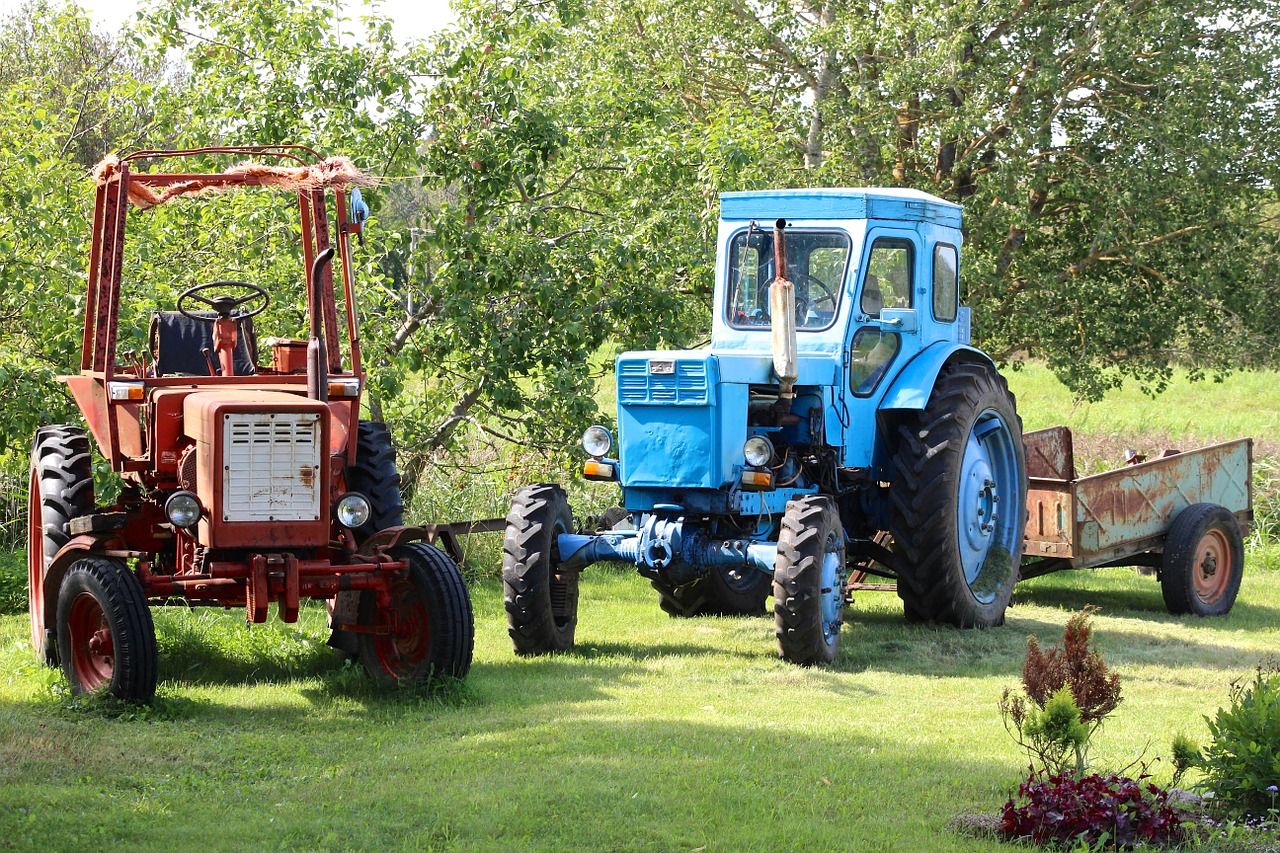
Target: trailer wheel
(373, 474)
(1203, 561)
(428, 632)
(541, 601)
(720, 592)
(808, 582)
(105, 635)
(959, 493)
(61, 488)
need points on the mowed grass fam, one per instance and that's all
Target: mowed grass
(654, 734)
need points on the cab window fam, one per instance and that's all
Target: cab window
(816, 265)
(946, 283)
(888, 280)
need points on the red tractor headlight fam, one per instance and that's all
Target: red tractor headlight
(183, 509)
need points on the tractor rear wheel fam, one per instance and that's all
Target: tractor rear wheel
(428, 632)
(105, 635)
(808, 582)
(373, 474)
(1203, 560)
(541, 601)
(959, 493)
(61, 488)
(720, 592)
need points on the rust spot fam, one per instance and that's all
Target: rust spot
(308, 475)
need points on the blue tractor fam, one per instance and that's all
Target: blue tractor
(838, 424)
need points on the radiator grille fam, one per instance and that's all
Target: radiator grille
(686, 385)
(271, 467)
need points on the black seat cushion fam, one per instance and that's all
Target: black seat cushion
(177, 340)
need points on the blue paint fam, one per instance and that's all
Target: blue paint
(683, 416)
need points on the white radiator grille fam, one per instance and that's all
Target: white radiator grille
(271, 467)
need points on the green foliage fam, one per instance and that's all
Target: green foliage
(13, 582)
(1185, 755)
(1242, 760)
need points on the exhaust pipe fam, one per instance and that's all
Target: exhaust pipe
(317, 357)
(782, 312)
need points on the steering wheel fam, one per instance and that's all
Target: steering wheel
(223, 304)
(827, 294)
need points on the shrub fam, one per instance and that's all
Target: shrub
(1114, 811)
(13, 582)
(1242, 761)
(1070, 691)
(1095, 689)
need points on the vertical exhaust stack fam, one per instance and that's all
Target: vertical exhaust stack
(782, 311)
(317, 357)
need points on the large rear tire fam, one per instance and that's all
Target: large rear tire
(809, 582)
(105, 635)
(959, 493)
(429, 631)
(720, 592)
(1203, 560)
(374, 475)
(61, 488)
(541, 601)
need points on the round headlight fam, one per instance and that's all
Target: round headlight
(758, 451)
(353, 510)
(183, 509)
(597, 441)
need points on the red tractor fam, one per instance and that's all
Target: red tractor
(243, 482)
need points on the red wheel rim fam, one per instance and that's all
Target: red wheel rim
(1212, 569)
(35, 561)
(93, 655)
(405, 646)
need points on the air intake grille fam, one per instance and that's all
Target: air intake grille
(686, 384)
(271, 467)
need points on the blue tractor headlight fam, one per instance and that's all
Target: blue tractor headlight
(353, 510)
(758, 451)
(597, 441)
(183, 509)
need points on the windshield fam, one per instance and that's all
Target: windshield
(816, 264)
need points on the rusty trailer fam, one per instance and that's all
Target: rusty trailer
(1183, 514)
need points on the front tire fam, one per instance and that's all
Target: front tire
(959, 493)
(1203, 560)
(809, 582)
(429, 630)
(61, 488)
(105, 635)
(541, 601)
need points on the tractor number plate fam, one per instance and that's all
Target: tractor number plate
(662, 368)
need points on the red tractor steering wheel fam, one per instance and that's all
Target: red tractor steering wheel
(223, 304)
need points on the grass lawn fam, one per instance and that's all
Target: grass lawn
(654, 734)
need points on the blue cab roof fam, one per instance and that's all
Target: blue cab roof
(838, 203)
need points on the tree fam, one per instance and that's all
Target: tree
(66, 95)
(1115, 158)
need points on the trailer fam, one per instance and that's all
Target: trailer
(1183, 514)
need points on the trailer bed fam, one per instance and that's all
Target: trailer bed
(1121, 517)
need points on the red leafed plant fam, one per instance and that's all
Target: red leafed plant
(1115, 810)
(1094, 688)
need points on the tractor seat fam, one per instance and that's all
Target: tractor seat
(177, 340)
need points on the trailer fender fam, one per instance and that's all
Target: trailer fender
(914, 384)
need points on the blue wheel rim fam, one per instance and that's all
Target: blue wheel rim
(831, 592)
(988, 502)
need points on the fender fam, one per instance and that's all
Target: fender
(914, 383)
(77, 547)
